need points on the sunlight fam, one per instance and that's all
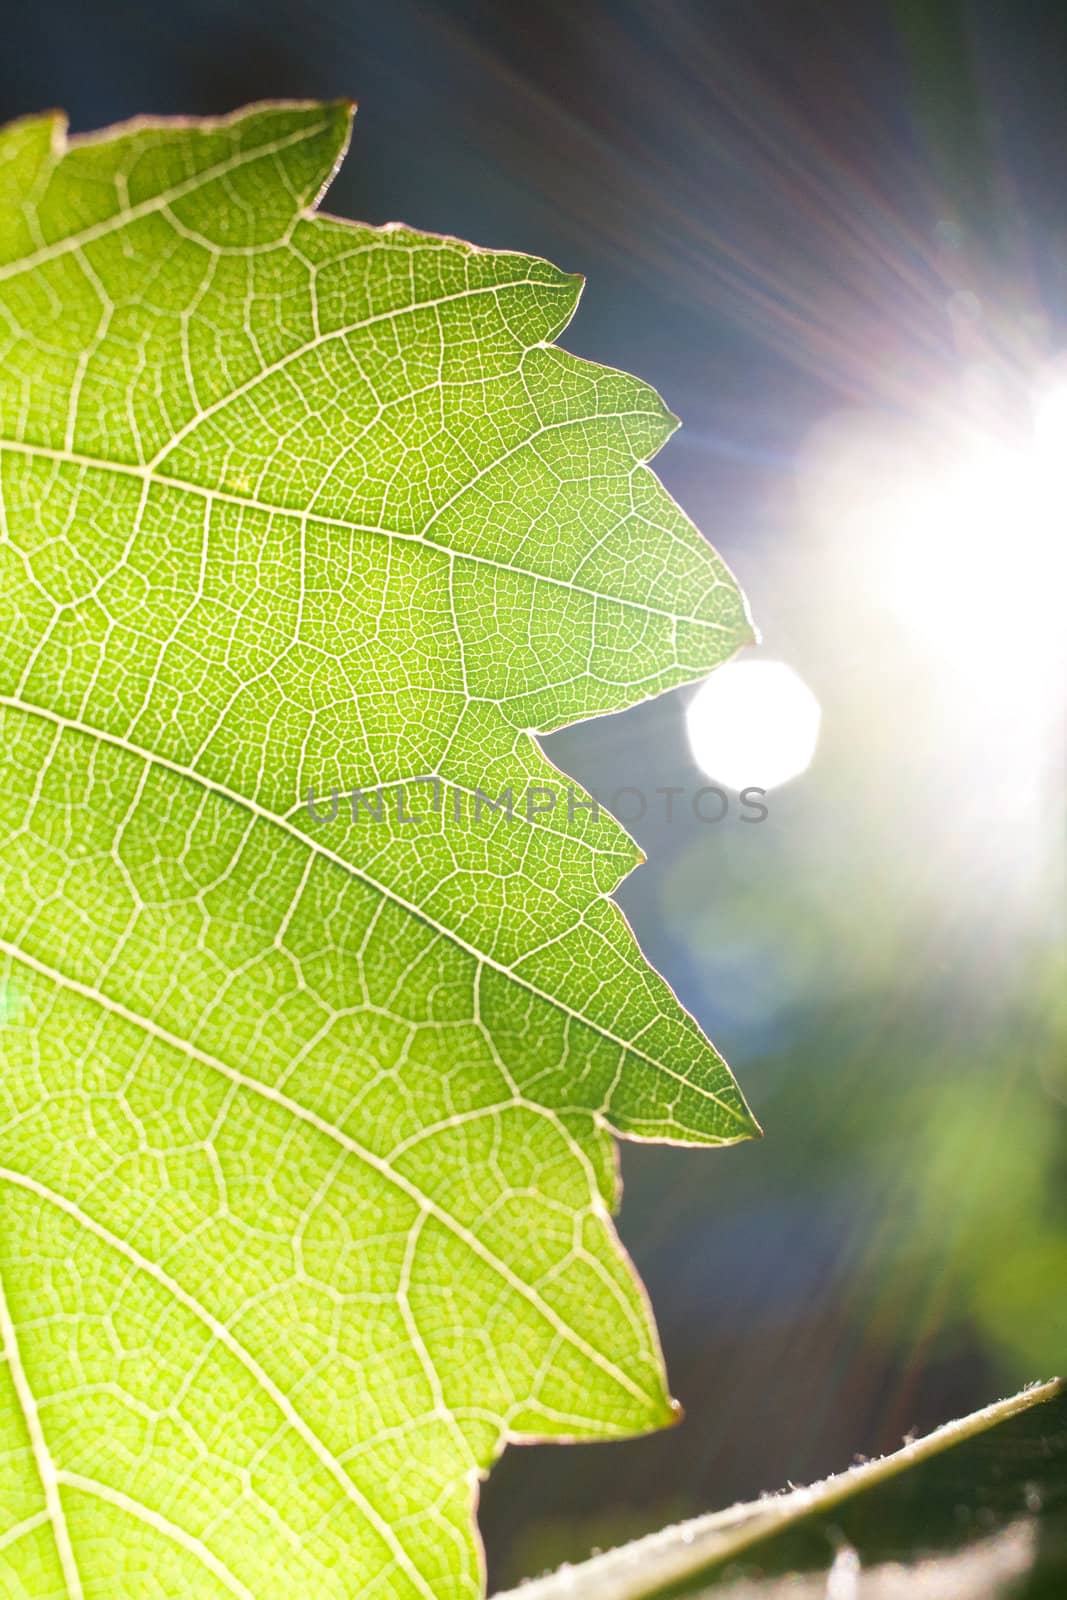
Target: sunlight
(974, 556)
(753, 723)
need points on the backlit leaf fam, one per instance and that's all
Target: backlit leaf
(306, 1153)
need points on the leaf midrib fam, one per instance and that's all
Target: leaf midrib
(39, 1447)
(149, 474)
(322, 1125)
(264, 814)
(219, 1331)
(72, 242)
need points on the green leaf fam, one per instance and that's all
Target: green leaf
(307, 1162)
(975, 1511)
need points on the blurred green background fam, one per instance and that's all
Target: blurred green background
(826, 232)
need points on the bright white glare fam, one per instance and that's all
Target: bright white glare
(1050, 427)
(754, 723)
(974, 554)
